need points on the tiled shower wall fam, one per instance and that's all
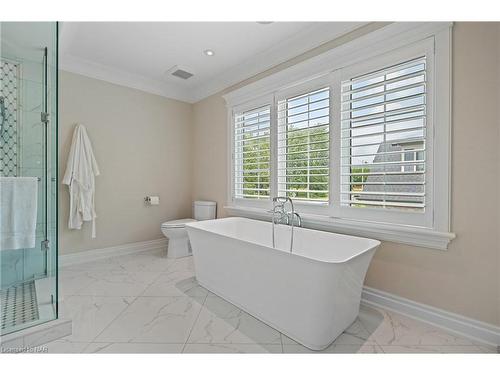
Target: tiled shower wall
(9, 133)
(22, 86)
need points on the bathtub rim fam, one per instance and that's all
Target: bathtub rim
(198, 225)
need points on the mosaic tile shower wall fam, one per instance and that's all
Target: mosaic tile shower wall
(9, 94)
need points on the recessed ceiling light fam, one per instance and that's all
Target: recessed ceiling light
(265, 22)
(209, 52)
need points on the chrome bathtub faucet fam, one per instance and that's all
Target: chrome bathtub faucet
(283, 217)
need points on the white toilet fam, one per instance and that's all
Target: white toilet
(175, 231)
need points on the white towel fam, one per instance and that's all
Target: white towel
(18, 211)
(81, 170)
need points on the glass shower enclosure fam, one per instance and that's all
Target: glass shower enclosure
(28, 174)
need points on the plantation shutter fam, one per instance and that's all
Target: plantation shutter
(252, 149)
(383, 135)
(303, 146)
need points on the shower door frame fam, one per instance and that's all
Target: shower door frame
(48, 271)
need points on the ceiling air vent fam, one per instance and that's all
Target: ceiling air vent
(181, 74)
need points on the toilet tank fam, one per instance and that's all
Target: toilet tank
(204, 210)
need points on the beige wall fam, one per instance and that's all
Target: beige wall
(142, 143)
(464, 279)
(210, 151)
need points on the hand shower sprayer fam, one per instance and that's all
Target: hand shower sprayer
(284, 217)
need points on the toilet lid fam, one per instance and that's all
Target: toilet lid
(177, 223)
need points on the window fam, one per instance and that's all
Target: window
(351, 136)
(383, 138)
(412, 155)
(304, 146)
(252, 153)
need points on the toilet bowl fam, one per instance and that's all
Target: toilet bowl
(175, 231)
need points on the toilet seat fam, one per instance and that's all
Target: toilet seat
(177, 223)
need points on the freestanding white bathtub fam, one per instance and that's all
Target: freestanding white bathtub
(311, 295)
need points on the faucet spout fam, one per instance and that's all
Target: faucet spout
(278, 212)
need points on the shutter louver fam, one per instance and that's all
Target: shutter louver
(383, 129)
(303, 146)
(252, 149)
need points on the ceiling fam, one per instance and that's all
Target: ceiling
(139, 54)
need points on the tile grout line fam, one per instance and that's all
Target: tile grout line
(133, 301)
(370, 333)
(194, 323)
(107, 295)
(116, 317)
(175, 261)
(155, 279)
(121, 312)
(85, 348)
(126, 308)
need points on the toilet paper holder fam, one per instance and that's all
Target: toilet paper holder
(152, 200)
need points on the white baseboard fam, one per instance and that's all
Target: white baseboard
(108, 252)
(474, 329)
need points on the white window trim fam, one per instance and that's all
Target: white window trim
(409, 235)
(258, 102)
(327, 67)
(400, 55)
(326, 80)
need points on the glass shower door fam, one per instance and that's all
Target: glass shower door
(28, 173)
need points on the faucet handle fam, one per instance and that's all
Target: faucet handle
(281, 200)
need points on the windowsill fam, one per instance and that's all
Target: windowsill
(404, 234)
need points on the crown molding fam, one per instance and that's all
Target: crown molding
(120, 77)
(385, 39)
(291, 47)
(78, 65)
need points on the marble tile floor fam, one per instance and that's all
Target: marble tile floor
(146, 303)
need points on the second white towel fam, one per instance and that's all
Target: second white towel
(18, 212)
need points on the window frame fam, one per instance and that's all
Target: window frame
(239, 162)
(331, 67)
(394, 216)
(253, 104)
(323, 208)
